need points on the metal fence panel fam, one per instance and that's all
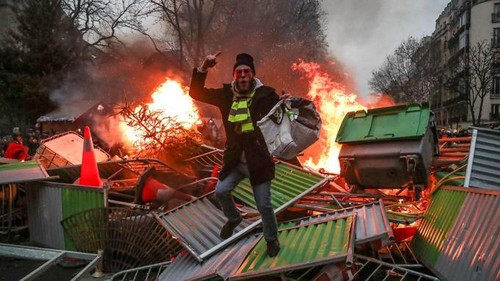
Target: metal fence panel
(372, 223)
(289, 185)
(472, 248)
(458, 237)
(222, 264)
(301, 247)
(437, 222)
(483, 168)
(197, 225)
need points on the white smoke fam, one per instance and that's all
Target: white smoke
(362, 33)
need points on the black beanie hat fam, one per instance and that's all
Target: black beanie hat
(244, 59)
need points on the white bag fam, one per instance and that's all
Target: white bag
(291, 126)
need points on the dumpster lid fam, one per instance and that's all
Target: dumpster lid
(408, 121)
(69, 145)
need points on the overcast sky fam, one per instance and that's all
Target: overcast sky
(362, 33)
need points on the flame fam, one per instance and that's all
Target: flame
(332, 102)
(174, 102)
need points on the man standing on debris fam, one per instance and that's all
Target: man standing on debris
(242, 103)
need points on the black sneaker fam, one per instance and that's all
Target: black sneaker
(273, 248)
(228, 229)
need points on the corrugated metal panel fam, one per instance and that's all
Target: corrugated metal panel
(483, 168)
(301, 247)
(197, 225)
(371, 221)
(436, 223)
(49, 203)
(75, 200)
(44, 214)
(222, 264)
(472, 247)
(290, 184)
(22, 172)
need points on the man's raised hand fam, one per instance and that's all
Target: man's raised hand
(209, 62)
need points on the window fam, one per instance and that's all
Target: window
(463, 18)
(495, 93)
(496, 37)
(462, 41)
(495, 111)
(495, 17)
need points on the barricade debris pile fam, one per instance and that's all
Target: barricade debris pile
(398, 210)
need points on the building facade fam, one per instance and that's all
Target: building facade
(462, 25)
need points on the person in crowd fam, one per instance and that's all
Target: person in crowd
(32, 145)
(16, 149)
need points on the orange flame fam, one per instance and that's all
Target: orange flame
(174, 102)
(332, 102)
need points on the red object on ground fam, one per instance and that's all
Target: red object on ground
(403, 233)
(154, 190)
(212, 183)
(150, 189)
(89, 174)
(16, 151)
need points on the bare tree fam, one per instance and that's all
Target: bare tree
(407, 74)
(99, 21)
(49, 44)
(190, 22)
(473, 77)
(276, 32)
(158, 134)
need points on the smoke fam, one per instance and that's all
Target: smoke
(363, 33)
(125, 74)
(360, 34)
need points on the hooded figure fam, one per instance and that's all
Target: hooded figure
(16, 149)
(242, 103)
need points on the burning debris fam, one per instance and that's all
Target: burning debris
(371, 216)
(166, 125)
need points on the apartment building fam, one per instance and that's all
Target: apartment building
(462, 24)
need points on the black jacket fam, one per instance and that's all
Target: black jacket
(259, 161)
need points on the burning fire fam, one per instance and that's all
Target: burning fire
(329, 97)
(173, 102)
(333, 103)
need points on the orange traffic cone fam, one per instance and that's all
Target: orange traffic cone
(89, 174)
(149, 189)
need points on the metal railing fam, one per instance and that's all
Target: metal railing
(495, 17)
(370, 267)
(146, 273)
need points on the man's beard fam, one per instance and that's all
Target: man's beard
(248, 87)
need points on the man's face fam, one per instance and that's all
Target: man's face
(243, 76)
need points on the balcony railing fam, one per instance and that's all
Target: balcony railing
(495, 17)
(495, 42)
